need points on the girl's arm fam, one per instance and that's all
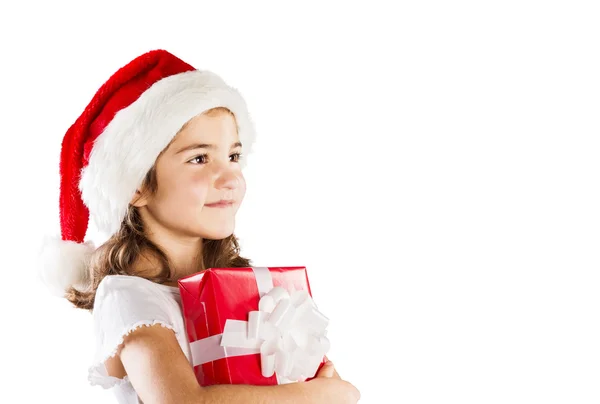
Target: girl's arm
(161, 374)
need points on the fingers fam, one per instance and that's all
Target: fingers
(335, 373)
(327, 370)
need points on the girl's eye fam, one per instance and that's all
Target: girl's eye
(203, 157)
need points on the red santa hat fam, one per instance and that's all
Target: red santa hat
(110, 148)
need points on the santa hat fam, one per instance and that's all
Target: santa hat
(110, 148)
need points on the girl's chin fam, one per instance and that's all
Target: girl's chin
(217, 234)
(214, 228)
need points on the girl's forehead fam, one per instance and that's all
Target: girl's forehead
(214, 128)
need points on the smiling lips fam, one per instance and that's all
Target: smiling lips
(220, 204)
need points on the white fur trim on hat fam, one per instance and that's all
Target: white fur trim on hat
(130, 144)
(63, 264)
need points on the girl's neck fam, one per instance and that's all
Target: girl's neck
(185, 258)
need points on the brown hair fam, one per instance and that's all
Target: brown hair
(117, 255)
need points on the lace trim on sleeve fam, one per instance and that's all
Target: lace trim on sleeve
(97, 374)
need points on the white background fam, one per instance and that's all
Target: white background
(435, 165)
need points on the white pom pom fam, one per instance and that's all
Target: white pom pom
(62, 264)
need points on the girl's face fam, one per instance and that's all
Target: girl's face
(197, 170)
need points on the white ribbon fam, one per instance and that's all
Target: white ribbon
(287, 330)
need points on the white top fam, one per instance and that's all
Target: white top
(124, 303)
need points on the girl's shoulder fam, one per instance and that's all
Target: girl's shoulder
(124, 304)
(124, 283)
(133, 292)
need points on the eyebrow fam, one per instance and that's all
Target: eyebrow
(205, 146)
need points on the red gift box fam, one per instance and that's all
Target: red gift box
(221, 307)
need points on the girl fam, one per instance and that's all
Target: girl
(155, 160)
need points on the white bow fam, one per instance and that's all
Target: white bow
(289, 331)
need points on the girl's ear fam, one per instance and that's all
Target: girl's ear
(138, 199)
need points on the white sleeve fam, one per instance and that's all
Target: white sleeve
(122, 304)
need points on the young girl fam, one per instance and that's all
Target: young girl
(156, 160)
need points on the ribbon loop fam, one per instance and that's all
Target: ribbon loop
(287, 329)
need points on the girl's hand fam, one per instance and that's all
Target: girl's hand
(328, 387)
(335, 373)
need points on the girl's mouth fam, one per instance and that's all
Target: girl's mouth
(220, 204)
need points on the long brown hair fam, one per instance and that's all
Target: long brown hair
(117, 255)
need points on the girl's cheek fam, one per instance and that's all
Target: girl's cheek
(199, 190)
(241, 187)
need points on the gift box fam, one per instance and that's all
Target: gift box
(254, 325)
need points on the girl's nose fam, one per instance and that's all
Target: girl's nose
(227, 178)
